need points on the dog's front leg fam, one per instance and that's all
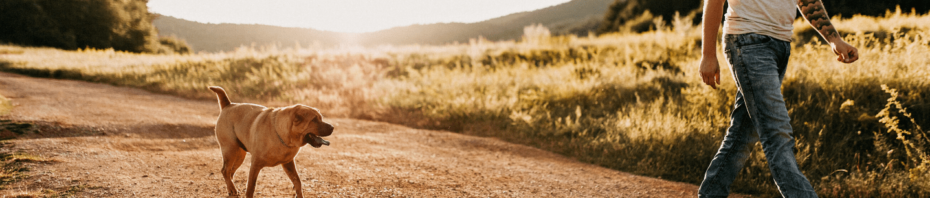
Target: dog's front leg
(291, 169)
(256, 167)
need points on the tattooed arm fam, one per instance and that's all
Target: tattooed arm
(814, 12)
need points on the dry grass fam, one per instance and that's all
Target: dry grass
(12, 165)
(631, 102)
(5, 106)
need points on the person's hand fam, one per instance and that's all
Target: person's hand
(844, 52)
(710, 71)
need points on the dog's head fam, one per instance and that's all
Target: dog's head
(296, 122)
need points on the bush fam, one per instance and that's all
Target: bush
(173, 45)
(624, 11)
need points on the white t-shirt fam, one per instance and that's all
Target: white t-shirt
(766, 17)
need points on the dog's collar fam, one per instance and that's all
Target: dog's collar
(282, 141)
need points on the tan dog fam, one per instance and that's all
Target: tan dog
(273, 136)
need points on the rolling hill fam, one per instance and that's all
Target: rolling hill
(225, 37)
(576, 16)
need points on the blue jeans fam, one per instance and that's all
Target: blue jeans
(758, 63)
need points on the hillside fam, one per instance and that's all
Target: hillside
(560, 19)
(575, 16)
(225, 37)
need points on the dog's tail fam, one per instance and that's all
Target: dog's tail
(221, 96)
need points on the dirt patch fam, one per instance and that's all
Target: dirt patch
(118, 142)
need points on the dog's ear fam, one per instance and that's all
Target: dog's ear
(284, 125)
(303, 115)
(298, 118)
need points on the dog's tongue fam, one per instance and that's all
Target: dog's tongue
(318, 142)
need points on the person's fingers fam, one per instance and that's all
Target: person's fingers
(708, 71)
(855, 54)
(717, 77)
(844, 56)
(708, 80)
(839, 54)
(848, 56)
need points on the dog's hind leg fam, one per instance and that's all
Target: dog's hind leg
(233, 153)
(232, 159)
(255, 168)
(291, 169)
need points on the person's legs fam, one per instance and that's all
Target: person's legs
(732, 154)
(759, 67)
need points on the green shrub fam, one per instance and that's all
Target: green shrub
(173, 45)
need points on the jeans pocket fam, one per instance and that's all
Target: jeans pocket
(752, 40)
(757, 54)
(759, 60)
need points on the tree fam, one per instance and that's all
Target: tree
(122, 25)
(623, 11)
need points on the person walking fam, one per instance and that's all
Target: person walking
(757, 35)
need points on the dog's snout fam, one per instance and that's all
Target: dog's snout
(326, 129)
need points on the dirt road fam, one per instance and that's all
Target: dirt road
(111, 141)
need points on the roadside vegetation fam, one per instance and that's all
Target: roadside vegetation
(627, 101)
(14, 164)
(5, 105)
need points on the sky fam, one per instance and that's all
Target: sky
(354, 16)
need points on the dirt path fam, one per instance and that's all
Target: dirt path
(121, 142)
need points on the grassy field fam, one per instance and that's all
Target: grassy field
(631, 102)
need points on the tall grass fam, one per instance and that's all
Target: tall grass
(5, 106)
(628, 101)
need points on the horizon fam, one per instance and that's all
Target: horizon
(351, 16)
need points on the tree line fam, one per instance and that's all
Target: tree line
(124, 25)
